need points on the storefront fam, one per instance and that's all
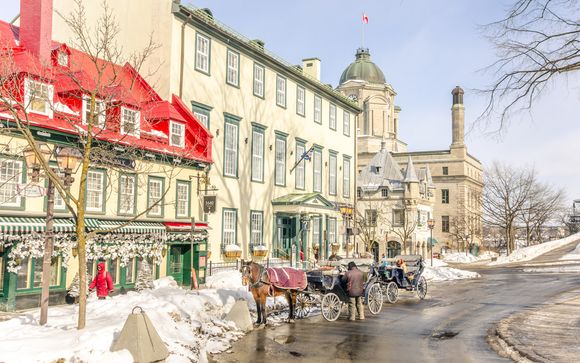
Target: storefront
(186, 247)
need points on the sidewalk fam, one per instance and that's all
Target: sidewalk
(549, 333)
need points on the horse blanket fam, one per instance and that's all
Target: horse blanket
(287, 278)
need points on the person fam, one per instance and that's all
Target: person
(355, 289)
(401, 271)
(102, 282)
(301, 256)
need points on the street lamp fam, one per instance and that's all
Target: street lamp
(67, 159)
(431, 225)
(347, 211)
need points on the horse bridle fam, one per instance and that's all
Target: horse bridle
(246, 272)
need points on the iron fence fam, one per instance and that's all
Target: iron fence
(216, 267)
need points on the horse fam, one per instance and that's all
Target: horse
(256, 277)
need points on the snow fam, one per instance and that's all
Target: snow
(574, 255)
(232, 248)
(189, 322)
(557, 269)
(461, 257)
(531, 252)
(445, 273)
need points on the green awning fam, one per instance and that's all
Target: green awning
(132, 227)
(15, 225)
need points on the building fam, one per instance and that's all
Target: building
(456, 174)
(394, 205)
(146, 152)
(284, 142)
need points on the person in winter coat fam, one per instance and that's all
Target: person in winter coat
(102, 282)
(355, 288)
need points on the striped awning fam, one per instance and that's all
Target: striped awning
(15, 225)
(132, 227)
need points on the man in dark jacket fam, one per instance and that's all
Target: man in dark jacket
(355, 288)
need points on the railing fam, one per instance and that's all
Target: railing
(216, 267)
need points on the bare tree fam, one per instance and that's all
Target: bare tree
(506, 191)
(541, 206)
(372, 218)
(108, 83)
(538, 41)
(465, 225)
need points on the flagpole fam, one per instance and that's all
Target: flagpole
(363, 31)
(302, 158)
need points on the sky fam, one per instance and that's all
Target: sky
(424, 48)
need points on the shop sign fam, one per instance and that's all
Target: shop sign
(209, 203)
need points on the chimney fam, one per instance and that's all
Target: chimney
(36, 28)
(457, 119)
(311, 67)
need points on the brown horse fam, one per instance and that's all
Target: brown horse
(256, 277)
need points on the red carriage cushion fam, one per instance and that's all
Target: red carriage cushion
(287, 278)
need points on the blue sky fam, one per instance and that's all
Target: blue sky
(425, 48)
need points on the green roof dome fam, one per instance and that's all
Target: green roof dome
(363, 69)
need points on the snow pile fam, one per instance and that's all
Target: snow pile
(574, 255)
(444, 273)
(531, 252)
(189, 322)
(461, 257)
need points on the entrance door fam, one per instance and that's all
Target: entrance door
(285, 234)
(179, 264)
(393, 249)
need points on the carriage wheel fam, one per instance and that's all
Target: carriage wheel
(304, 304)
(331, 306)
(392, 292)
(375, 299)
(422, 288)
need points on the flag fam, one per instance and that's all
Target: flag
(365, 18)
(307, 154)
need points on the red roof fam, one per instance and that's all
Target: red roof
(120, 85)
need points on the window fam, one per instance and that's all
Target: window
(182, 199)
(384, 192)
(332, 174)
(346, 123)
(280, 161)
(38, 97)
(346, 178)
(22, 276)
(256, 228)
(233, 68)
(231, 149)
(300, 167)
(113, 268)
(130, 271)
(37, 275)
(130, 122)
(259, 72)
(445, 196)
(230, 217)
(257, 154)
(154, 195)
(280, 91)
(445, 170)
(201, 113)
(10, 179)
(445, 224)
(332, 117)
(127, 186)
(99, 112)
(62, 59)
(95, 191)
(316, 231)
(300, 106)
(30, 273)
(317, 171)
(202, 53)
(317, 109)
(371, 217)
(331, 230)
(177, 134)
(398, 217)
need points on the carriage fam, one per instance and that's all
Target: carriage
(326, 288)
(393, 278)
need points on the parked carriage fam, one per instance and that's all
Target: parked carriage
(393, 278)
(326, 289)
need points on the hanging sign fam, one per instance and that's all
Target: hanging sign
(209, 203)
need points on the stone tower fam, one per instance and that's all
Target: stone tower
(458, 119)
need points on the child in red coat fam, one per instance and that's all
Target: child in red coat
(103, 282)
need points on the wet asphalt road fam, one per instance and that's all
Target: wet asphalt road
(450, 325)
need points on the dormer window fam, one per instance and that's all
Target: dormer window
(177, 131)
(38, 97)
(62, 58)
(130, 121)
(99, 112)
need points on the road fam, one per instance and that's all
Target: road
(450, 325)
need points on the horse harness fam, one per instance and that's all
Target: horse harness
(261, 281)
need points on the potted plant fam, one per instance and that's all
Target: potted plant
(260, 251)
(233, 251)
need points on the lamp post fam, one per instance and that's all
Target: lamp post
(346, 212)
(431, 225)
(67, 159)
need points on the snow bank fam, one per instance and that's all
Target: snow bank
(461, 257)
(528, 253)
(574, 255)
(189, 322)
(443, 273)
